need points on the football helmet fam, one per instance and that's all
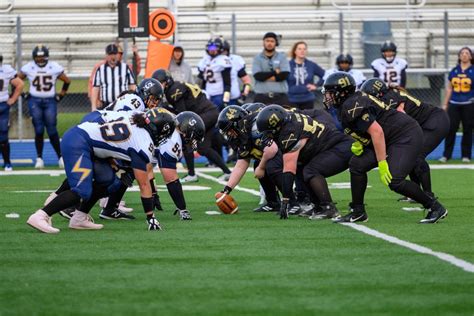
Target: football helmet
(40, 55)
(192, 127)
(226, 46)
(231, 124)
(269, 122)
(214, 46)
(337, 88)
(253, 107)
(347, 58)
(164, 77)
(151, 92)
(375, 87)
(388, 46)
(160, 124)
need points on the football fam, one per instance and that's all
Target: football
(226, 203)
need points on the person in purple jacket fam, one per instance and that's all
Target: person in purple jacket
(301, 82)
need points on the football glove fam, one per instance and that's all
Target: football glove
(153, 223)
(385, 175)
(357, 148)
(156, 202)
(284, 208)
(226, 99)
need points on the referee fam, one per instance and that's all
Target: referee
(110, 79)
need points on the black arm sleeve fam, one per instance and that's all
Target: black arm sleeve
(403, 79)
(282, 76)
(241, 73)
(262, 76)
(226, 79)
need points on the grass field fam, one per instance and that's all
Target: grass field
(238, 264)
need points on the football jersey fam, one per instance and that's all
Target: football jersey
(415, 108)
(237, 64)
(128, 102)
(183, 96)
(170, 152)
(42, 79)
(462, 82)
(118, 138)
(7, 73)
(212, 73)
(355, 73)
(250, 145)
(360, 110)
(390, 73)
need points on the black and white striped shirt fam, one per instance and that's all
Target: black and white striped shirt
(112, 81)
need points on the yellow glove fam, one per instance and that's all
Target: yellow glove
(357, 148)
(385, 175)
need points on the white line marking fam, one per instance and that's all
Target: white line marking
(465, 265)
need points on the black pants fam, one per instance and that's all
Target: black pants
(402, 155)
(272, 98)
(457, 114)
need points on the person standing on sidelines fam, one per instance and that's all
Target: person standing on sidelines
(111, 79)
(43, 100)
(7, 77)
(179, 68)
(459, 103)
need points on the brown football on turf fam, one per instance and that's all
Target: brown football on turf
(226, 203)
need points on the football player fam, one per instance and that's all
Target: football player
(183, 96)
(317, 147)
(344, 62)
(43, 100)
(385, 138)
(130, 137)
(433, 121)
(215, 71)
(238, 72)
(390, 68)
(7, 77)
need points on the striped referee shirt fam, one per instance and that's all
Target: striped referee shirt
(112, 81)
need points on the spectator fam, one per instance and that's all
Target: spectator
(110, 79)
(43, 100)
(214, 70)
(344, 62)
(270, 70)
(390, 68)
(238, 72)
(301, 79)
(7, 77)
(179, 69)
(459, 103)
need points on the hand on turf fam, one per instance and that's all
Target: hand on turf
(357, 148)
(385, 175)
(284, 208)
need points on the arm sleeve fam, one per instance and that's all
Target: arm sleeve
(376, 73)
(262, 76)
(282, 76)
(242, 73)
(403, 79)
(226, 79)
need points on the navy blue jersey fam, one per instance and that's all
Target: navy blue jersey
(463, 90)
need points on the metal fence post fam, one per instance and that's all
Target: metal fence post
(234, 33)
(18, 66)
(446, 46)
(125, 50)
(341, 33)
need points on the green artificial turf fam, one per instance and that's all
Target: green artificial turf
(244, 264)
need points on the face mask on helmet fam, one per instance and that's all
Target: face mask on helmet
(329, 99)
(152, 101)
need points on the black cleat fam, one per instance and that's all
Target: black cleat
(326, 212)
(357, 214)
(435, 213)
(115, 214)
(406, 199)
(268, 207)
(295, 208)
(68, 212)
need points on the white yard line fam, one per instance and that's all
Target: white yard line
(465, 265)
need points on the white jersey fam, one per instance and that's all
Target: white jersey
(172, 149)
(118, 138)
(212, 71)
(390, 73)
(237, 64)
(7, 73)
(42, 79)
(128, 102)
(355, 73)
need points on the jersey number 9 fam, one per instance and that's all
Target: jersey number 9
(115, 132)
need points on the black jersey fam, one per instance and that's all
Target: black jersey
(413, 107)
(360, 110)
(321, 135)
(183, 96)
(250, 144)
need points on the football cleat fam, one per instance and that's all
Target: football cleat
(189, 178)
(224, 177)
(406, 199)
(295, 209)
(115, 214)
(68, 213)
(123, 207)
(42, 222)
(435, 213)
(357, 214)
(81, 220)
(326, 212)
(183, 214)
(8, 167)
(39, 163)
(61, 163)
(268, 207)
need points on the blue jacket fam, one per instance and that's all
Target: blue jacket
(300, 76)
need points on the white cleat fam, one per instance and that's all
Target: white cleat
(224, 177)
(42, 222)
(8, 168)
(39, 163)
(81, 220)
(61, 163)
(123, 208)
(103, 202)
(51, 197)
(189, 179)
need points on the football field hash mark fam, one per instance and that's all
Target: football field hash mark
(465, 265)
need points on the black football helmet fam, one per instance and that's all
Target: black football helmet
(231, 124)
(164, 77)
(226, 46)
(253, 107)
(160, 124)
(344, 58)
(375, 87)
(337, 88)
(269, 122)
(40, 55)
(151, 92)
(192, 127)
(388, 46)
(215, 46)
